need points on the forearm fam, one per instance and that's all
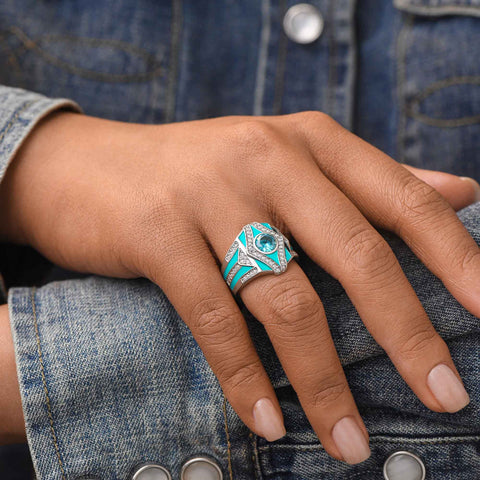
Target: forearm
(12, 428)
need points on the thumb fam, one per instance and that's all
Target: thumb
(458, 191)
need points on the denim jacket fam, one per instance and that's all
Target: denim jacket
(111, 378)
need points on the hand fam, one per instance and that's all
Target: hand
(166, 202)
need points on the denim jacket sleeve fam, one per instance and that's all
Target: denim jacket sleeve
(20, 111)
(112, 379)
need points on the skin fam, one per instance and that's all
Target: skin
(165, 202)
(12, 427)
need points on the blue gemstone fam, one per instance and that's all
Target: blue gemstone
(265, 242)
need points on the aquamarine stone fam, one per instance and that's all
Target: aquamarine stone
(265, 242)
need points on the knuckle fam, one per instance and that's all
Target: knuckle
(418, 199)
(214, 321)
(469, 258)
(242, 377)
(291, 306)
(315, 117)
(328, 393)
(366, 252)
(318, 125)
(254, 136)
(418, 343)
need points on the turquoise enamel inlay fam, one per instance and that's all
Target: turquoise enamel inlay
(240, 273)
(265, 242)
(287, 255)
(262, 265)
(255, 231)
(230, 264)
(241, 237)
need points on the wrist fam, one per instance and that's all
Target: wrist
(62, 192)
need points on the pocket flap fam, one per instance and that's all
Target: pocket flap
(439, 7)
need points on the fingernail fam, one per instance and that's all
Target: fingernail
(268, 423)
(476, 186)
(350, 440)
(447, 388)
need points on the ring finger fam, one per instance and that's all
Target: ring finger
(294, 318)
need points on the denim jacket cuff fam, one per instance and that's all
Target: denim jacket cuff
(111, 379)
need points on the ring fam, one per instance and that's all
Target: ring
(258, 249)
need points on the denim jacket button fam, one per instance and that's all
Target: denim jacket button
(303, 23)
(201, 468)
(403, 465)
(152, 472)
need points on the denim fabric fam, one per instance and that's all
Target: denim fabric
(440, 7)
(110, 375)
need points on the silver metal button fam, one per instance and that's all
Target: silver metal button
(152, 472)
(201, 468)
(403, 465)
(303, 23)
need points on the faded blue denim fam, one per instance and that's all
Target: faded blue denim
(110, 375)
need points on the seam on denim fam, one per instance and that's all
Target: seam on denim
(32, 45)
(177, 20)
(14, 118)
(281, 63)
(229, 452)
(401, 52)
(255, 457)
(426, 441)
(45, 388)
(442, 10)
(93, 42)
(446, 123)
(381, 439)
(332, 61)
(414, 105)
(262, 59)
(447, 82)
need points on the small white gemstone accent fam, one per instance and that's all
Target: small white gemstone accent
(232, 273)
(231, 251)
